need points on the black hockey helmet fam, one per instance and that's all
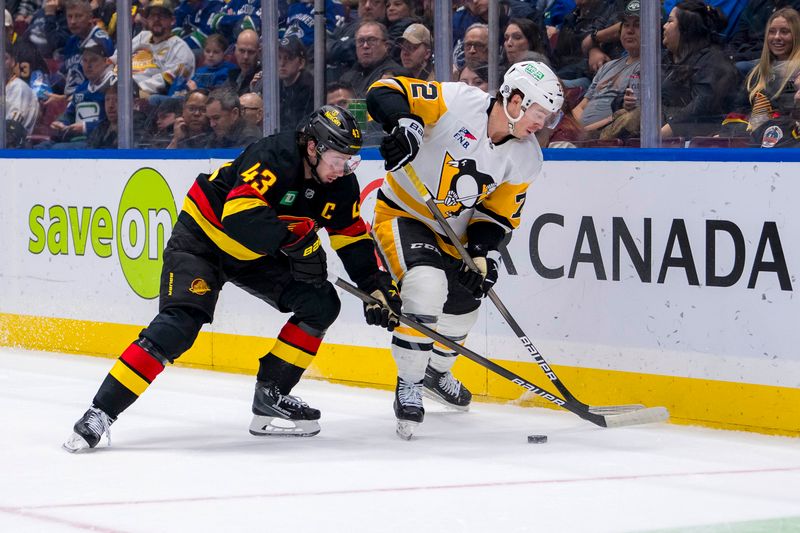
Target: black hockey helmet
(333, 128)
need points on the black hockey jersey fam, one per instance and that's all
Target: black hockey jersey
(238, 206)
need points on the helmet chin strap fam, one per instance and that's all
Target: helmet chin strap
(313, 167)
(511, 121)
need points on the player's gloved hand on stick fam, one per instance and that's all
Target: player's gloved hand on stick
(383, 288)
(307, 258)
(402, 144)
(479, 283)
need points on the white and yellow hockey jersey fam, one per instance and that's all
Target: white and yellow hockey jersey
(470, 178)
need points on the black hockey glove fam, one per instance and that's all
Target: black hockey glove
(402, 144)
(384, 289)
(479, 283)
(307, 258)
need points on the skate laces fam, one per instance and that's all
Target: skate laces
(449, 384)
(99, 422)
(294, 401)
(409, 393)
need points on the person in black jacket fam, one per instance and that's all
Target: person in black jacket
(699, 81)
(254, 222)
(747, 40)
(297, 84)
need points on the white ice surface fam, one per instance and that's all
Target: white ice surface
(182, 460)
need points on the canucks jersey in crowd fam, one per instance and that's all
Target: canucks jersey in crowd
(87, 105)
(300, 19)
(72, 69)
(194, 21)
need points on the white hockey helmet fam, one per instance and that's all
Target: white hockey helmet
(538, 85)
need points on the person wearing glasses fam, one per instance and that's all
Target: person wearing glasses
(373, 60)
(191, 129)
(253, 222)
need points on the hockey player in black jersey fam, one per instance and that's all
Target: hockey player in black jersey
(254, 222)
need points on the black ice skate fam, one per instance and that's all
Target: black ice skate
(408, 407)
(446, 389)
(88, 431)
(281, 415)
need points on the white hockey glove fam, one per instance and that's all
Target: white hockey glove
(402, 144)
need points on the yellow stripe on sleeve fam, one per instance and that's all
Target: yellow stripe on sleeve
(340, 241)
(130, 379)
(237, 205)
(220, 238)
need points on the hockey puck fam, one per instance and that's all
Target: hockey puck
(537, 439)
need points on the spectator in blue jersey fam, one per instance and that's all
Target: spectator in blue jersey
(215, 70)
(87, 107)
(237, 16)
(82, 27)
(300, 19)
(193, 20)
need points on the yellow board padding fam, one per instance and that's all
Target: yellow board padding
(717, 404)
(129, 378)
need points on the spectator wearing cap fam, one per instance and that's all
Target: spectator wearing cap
(245, 78)
(229, 129)
(614, 78)
(82, 28)
(22, 107)
(415, 52)
(297, 84)
(373, 61)
(159, 58)
(215, 70)
(87, 107)
(252, 106)
(191, 129)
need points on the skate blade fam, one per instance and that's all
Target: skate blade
(435, 397)
(76, 444)
(280, 427)
(405, 429)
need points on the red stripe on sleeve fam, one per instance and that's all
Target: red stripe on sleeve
(245, 191)
(197, 195)
(353, 230)
(295, 336)
(141, 361)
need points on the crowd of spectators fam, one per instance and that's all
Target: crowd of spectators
(730, 68)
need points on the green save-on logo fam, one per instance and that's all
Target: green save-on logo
(143, 225)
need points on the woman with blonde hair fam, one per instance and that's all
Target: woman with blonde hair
(773, 82)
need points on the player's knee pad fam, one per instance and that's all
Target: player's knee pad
(318, 308)
(174, 330)
(424, 291)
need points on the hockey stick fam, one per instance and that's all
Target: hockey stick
(427, 197)
(630, 418)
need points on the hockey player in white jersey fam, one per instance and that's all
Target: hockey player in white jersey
(477, 155)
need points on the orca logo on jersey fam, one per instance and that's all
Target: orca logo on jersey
(461, 186)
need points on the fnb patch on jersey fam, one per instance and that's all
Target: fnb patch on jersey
(463, 137)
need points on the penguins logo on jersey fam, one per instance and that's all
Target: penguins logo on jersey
(461, 186)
